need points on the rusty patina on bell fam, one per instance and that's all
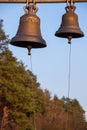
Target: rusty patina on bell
(69, 27)
(29, 34)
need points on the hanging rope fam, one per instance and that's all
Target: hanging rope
(31, 63)
(69, 75)
(69, 85)
(34, 120)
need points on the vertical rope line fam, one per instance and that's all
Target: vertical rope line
(32, 72)
(69, 77)
(31, 63)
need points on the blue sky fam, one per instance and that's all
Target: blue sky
(50, 64)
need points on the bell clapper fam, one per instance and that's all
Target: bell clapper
(29, 50)
(69, 39)
(29, 53)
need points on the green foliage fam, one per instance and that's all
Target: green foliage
(3, 37)
(2, 33)
(19, 89)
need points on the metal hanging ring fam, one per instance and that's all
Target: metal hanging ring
(35, 8)
(67, 3)
(70, 7)
(32, 8)
(26, 7)
(70, 3)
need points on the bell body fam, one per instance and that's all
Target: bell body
(69, 26)
(29, 33)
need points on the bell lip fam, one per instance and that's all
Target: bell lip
(64, 34)
(34, 45)
(33, 41)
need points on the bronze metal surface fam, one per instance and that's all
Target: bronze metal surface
(29, 33)
(69, 27)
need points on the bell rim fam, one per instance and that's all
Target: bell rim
(75, 33)
(33, 41)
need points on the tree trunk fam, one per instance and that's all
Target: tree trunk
(4, 121)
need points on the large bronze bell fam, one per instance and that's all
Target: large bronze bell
(69, 27)
(29, 34)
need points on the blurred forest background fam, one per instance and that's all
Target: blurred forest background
(25, 106)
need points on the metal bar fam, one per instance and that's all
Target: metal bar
(39, 1)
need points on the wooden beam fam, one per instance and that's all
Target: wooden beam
(39, 1)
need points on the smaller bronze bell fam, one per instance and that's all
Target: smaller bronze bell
(69, 27)
(29, 34)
